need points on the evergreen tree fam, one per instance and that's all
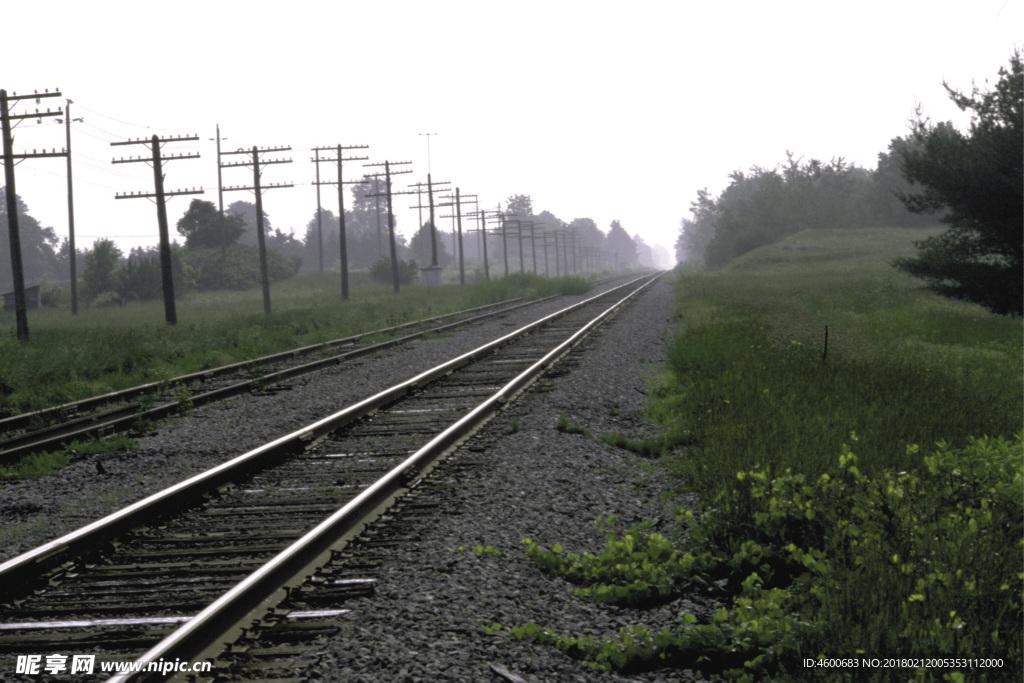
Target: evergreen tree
(976, 179)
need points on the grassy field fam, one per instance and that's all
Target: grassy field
(861, 500)
(105, 349)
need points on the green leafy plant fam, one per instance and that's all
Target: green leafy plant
(183, 397)
(916, 562)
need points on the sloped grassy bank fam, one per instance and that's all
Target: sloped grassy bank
(862, 497)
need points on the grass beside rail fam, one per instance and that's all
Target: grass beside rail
(861, 502)
(106, 349)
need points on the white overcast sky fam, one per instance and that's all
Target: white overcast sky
(611, 111)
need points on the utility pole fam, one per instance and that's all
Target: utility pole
(428, 136)
(71, 211)
(481, 217)
(519, 236)
(258, 189)
(533, 242)
(575, 269)
(220, 201)
(170, 313)
(558, 263)
(340, 159)
(376, 203)
(319, 223)
(504, 241)
(457, 201)
(391, 216)
(433, 229)
(17, 268)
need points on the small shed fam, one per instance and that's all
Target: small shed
(31, 298)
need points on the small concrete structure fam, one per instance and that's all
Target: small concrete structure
(431, 276)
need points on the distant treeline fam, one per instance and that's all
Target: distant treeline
(763, 206)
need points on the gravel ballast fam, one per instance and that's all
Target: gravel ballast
(522, 478)
(518, 478)
(36, 511)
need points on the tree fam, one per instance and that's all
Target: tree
(976, 179)
(98, 274)
(39, 247)
(202, 226)
(521, 205)
(421, 247)
(246, 211)
(325, 232)
(696, 232)
(620, 247)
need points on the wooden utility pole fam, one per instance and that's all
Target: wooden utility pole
(504, 240)
(170, 313)
(533, 242)
(391, 216)
(17, 268)
(71, 212)
(257, 187)
(340, 159)
(481, 217)
(519, 237)
(457, 201)
(431, 186)
(220, 202)
(319, 222)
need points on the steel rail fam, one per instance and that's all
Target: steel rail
(123, 418)
(16, 572)
(15, 422)
(220, 618)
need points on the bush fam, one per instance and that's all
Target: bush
(51, 297)
(923, 563)
(239, 269)
(381, 271)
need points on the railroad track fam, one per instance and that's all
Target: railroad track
(52, 428)
(173, 576)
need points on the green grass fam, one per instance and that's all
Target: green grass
(903, 366)
(106, 349)
(860, 503)
(36, 465)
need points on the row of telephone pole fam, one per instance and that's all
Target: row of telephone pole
(257, 159)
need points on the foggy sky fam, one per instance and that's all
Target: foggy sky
(594, 109)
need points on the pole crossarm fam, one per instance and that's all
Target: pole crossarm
(334, 148)
(463, 199)
(317, 160)
(344, 182)
(261, 150)
(385, 194)
(151, 195)
(248, 164)
(149, 141)
(44, 153)
(36, 115)
(170, 157)
(34, 96)
(252, 188)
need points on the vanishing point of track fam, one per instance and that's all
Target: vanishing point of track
(176, 575)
